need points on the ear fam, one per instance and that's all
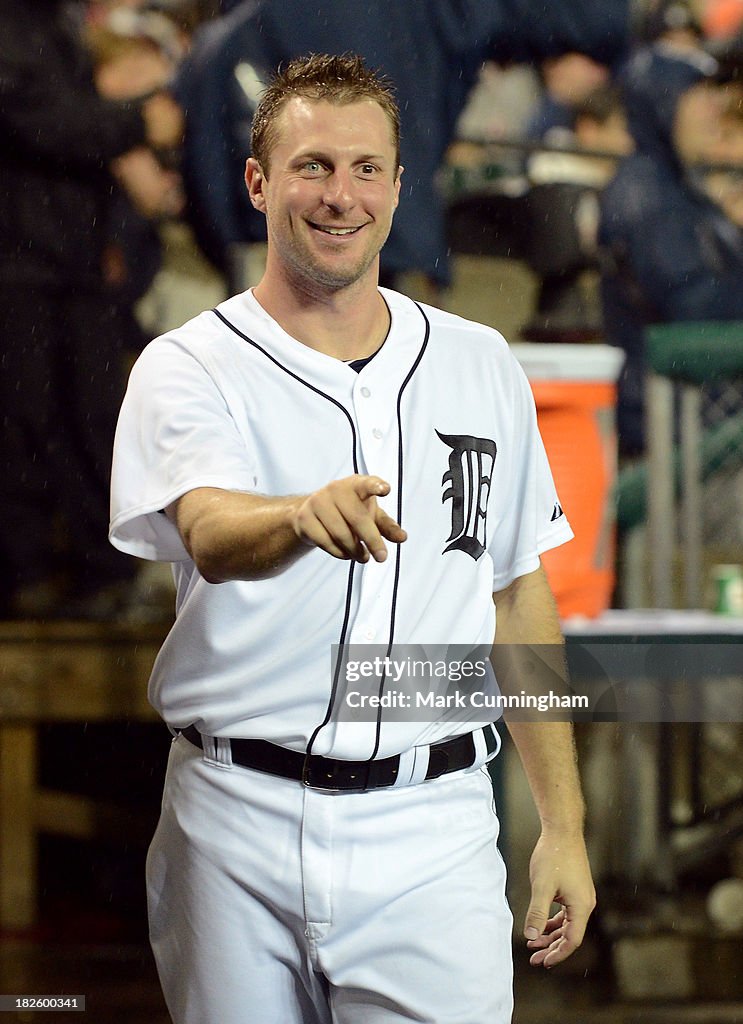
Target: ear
(254, 181)
(400, 169)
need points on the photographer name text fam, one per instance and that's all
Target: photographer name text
(492, 701)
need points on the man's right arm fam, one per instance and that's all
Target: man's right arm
(233, 535)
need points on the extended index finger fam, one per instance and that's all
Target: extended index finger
(390, 528)
(370, 524)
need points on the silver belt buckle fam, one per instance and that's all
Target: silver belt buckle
(316, 776)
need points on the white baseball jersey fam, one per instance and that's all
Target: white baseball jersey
(443, 412)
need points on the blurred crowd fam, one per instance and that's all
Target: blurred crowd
(625, 121)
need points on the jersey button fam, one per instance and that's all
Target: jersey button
(365, 392)
(369, 634)
(377, 433)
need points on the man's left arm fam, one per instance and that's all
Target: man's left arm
(559, 871)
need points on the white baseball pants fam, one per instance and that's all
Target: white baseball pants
(274, 904)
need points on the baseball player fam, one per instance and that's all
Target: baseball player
(329, 463)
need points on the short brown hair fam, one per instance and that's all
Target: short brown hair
(343, 78)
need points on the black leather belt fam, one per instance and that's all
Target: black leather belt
(319, 772)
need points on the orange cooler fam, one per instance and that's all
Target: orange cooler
(575, 393)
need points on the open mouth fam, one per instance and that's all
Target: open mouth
(336, 232)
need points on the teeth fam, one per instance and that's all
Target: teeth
(336, 231)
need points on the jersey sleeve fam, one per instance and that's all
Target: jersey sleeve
(175, 433)
(531, 519)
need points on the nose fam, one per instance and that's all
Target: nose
(339, 194)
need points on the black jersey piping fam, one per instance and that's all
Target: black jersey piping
(349, 584)
(398, 547)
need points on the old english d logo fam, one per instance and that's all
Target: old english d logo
(470, 474)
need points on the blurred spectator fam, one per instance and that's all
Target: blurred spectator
(564, 215)
(599, 137)
(60, 375)
(725, 185)
(671, 253)
(232, 58)
(566, 81)
(569, 79)
(136, 56)
(169, 24)
(672, 26)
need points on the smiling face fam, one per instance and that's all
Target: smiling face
(329, 192)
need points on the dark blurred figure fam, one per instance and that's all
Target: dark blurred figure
(671, 248)
(61, 376)
(433, 53)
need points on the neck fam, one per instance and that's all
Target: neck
(346, 323)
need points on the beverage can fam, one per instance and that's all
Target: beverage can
(728, 589)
